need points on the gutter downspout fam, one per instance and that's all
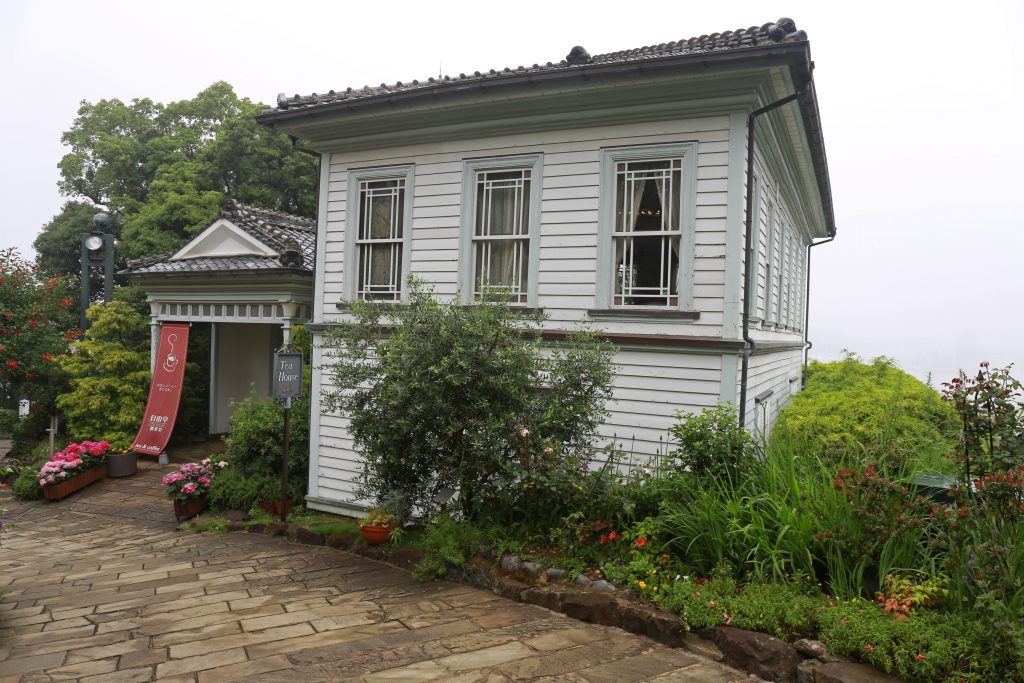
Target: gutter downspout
(807, 309)
(748, 256)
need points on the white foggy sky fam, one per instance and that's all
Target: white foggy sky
(921, 106)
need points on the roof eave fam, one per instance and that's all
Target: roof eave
(699, 60)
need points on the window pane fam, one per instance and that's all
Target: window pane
(501, 231)
(647, 232)
(381, 219)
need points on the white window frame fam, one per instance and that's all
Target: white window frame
(353, 205)
(687, 152)
(534, 163)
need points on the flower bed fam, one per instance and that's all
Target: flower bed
(73, 468)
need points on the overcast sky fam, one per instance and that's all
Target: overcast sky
(921, 106)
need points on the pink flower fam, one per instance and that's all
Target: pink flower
(222, 464)
(205, 481)
(188, 488)
(869, 647)
(711, 603)
(524, 432)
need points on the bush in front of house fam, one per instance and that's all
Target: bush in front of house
(444, 398)
(254, 450)
(874, 410)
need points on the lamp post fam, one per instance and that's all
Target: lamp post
(97, 250)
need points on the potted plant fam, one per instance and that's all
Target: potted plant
(122, 462)
(73, 468)
(188, 486)
(377, 525)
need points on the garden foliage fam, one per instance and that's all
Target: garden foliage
(36, 325)
(445, 398)
(109, 376)
(872, 410)
(254, 450)
(990, 406)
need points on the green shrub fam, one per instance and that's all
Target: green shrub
(8, 420)
(447, 398)
(256, 442)
(712, 443)
(26, 486)
(446, 543)
(109, 376)
(233, 489)
(874, 410)
(928, 646)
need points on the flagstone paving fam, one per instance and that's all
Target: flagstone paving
(102, 587)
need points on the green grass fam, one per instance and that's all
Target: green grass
(217, 525)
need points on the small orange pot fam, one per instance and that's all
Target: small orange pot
(375, 535)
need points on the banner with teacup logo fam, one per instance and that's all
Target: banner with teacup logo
(165, 390)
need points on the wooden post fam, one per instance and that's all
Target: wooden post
(284, 457)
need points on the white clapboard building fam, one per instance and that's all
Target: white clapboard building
(609, 188)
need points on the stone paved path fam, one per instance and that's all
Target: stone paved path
(101, 587)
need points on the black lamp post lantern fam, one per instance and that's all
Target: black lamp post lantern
(97, 250)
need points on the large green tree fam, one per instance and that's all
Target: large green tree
(163, 170)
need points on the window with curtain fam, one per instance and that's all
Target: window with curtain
(501, 233)
(647, 231)
(379, 240)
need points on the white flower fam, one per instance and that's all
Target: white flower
(525, 432)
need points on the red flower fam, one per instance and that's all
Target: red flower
(33, 323)
(920, 657)
(48, 357)
(12, 364)
(613, 536)
(28, 375)
(603, 540)
(641, 542)
(869, 648)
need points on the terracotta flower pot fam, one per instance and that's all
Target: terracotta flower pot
(187, 509)
(375, 535)
(79, 481)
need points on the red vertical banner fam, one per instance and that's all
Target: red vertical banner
(165, 391)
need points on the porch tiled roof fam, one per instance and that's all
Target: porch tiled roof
(272, 228)
(782, 31)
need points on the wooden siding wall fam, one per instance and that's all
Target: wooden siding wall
(778, 373)
(650, 384)
(780, 243)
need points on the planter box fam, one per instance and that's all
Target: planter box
(79, 481)
(375, 535)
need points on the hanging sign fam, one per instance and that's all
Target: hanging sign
(287, 375)
(165, 391)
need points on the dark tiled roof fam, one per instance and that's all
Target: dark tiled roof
(782, 31)
(276, 230)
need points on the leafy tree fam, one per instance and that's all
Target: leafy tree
(164, 170)
(109, 373)
(35, 328)
(443, 397)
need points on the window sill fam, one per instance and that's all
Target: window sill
(346, 307)
(641, 314)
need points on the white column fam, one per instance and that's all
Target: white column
(154, 334)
